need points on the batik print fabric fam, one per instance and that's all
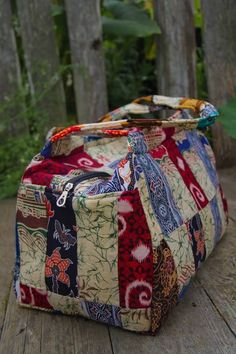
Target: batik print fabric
(135, 267)
(61, 259)
(165, 286)
(97, 248)
(32, 220)
(123, 249)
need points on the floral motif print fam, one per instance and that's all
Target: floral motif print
(62, 241)
(63, 235)
(56, 268)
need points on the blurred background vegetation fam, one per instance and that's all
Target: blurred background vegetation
(49, 82)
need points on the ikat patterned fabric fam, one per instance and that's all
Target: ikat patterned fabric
(123, 249)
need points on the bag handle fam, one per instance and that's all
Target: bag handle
(157, 103)
(113, 120)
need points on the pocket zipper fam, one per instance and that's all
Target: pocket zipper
(71, 183)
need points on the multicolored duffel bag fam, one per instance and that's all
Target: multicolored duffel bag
(114, 218)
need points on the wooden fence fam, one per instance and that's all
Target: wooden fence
(176, 58)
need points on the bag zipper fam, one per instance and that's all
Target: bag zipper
(72, 183)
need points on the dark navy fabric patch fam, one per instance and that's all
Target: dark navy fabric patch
(196, 235)
(61, 260)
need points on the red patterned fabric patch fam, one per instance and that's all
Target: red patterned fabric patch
(42, 172)
(135, 266)
(224, 201)
(186, 173)
(34, 297)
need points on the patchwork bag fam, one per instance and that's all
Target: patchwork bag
(114, 218)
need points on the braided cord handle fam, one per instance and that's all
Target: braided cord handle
(113, 120)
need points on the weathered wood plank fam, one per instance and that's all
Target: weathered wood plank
(57, 336)
(33, 331)
(218, 278)
(193, 327)
(85, 33)
(42, 60)
(14, 329)
(30, 331)
(7, 250)
(81, 336)
(176, 48)
(219, 274)
(220, 51)
(10, 104)
(91, 337)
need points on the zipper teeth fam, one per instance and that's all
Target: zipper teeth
(82, 178)
(77, 179)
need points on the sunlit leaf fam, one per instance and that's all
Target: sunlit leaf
(128, 20)
(57, 10)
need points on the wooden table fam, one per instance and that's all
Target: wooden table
(204, 322)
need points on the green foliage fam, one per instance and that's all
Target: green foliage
(129, 50)
(201, 75)
(197, 14)
(127, 19)
(57, 9)
(228, 117)
(17, 150)
(129, 73)
(14, 157)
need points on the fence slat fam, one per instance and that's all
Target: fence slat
(85, 33)
(220, 51)
(176, 48)
(10, 106)
(42, 60)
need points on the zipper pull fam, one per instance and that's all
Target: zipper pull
(62, 200)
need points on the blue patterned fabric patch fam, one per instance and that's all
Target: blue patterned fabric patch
(183, 145)
(109, 314)
(217, 219)
(163, 203)
(197, 145)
